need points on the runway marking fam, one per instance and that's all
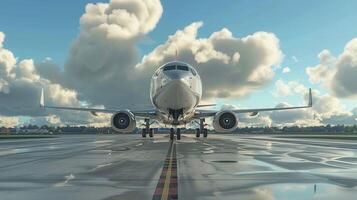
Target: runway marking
(66, 181)
(167, 186)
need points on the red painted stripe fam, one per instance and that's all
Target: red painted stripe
(158, 191)
(173, 178)
(173, 185)
(173, 190)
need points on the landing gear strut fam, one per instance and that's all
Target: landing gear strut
(172, 134)
(205, 132)
(143, 132)
(147, 129)
(151, 132)
(178, 134)
(202, 129)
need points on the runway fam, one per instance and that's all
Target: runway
(111, 167)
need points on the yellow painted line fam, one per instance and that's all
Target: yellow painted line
(165, 192)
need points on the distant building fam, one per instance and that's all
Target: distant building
(32, 131)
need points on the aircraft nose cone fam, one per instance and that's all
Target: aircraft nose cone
(178, 78)
(175, 75)
(180, 83)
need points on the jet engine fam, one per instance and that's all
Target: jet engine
(123, 121)
(225, 121)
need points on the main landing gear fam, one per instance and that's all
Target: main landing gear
(172, 134)
(202, 130)
(147, 129)
(178, 134)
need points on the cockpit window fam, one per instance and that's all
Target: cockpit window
(181, 67)
(169, 67)
(157, 73)
(193, 72)
(178, 67)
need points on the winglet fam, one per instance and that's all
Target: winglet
(310, 98)
(42, 99)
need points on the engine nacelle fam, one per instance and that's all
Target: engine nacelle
(123, 121)
(225, 121)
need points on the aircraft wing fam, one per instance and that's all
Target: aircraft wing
(205, 105)
(150, 113)
(209, 113)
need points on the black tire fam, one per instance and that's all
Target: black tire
(205, 132)
(197, 132)
(151, 132)
(172, 134)
(178, 134)
(143, 132)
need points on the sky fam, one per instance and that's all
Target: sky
(51, 35)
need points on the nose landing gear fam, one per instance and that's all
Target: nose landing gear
(172, 134)
(178, 134)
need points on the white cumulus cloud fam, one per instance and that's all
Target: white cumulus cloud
(338, 74)
(102, 59)
(20, 85)
(8, 121)
(229, 66)
(2, 38)
(286, 70)
(326, 109)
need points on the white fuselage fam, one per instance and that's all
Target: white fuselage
(176, 90)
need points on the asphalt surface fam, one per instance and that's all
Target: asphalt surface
(219, 167)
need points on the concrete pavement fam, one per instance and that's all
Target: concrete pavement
(219, 167)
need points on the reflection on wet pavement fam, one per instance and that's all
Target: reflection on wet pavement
(220, 167)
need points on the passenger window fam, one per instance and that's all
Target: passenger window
(181, 67)
(169, 67)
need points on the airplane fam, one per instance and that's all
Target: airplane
(175, 93)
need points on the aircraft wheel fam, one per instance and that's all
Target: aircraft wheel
(205, 132)
(151, 132)
(143, 132)
(197, 132)
(178, 134)
(172, 134)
